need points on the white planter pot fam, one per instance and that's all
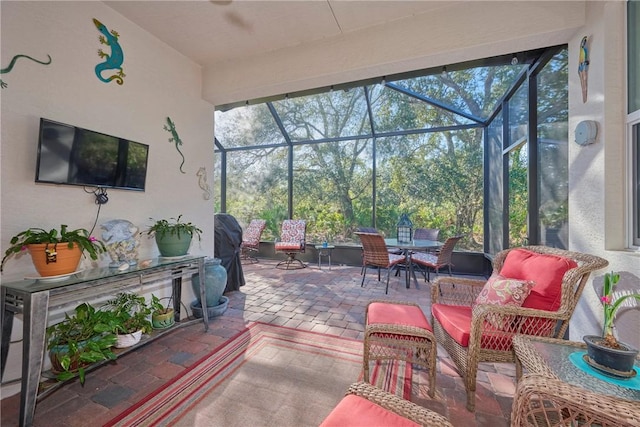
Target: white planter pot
(127, 340)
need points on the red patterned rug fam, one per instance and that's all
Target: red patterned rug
(265, 376)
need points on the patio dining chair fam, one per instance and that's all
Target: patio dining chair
(428, 262)
(426, 234)
(251, 239)
(292, 241)
(375, 254)
(367, 230)
(533, 291)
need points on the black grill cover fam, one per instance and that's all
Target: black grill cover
(228, 237)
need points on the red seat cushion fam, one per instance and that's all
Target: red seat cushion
(397, 314)
(358, 411)
(545, 270)
(288, 246)
(456, 321)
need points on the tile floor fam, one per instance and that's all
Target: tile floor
(314, 299)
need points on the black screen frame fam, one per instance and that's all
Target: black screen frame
(118, 171)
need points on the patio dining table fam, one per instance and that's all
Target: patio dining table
(407, 247)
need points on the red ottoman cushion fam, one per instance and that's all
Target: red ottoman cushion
(397, 314)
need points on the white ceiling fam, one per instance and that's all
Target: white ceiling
(214, 31)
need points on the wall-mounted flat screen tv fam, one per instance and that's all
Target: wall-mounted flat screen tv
(75, 156)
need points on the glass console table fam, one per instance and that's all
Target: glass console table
(34, 298)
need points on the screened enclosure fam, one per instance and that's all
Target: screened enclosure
(476, 149)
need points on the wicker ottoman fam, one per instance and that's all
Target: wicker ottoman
(399, 331)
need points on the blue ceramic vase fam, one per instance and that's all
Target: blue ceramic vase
(215, 281)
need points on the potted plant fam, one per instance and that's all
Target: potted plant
(173, 237)
(127, 316)
(54, 252)
(606, 351)
(162, 316)
(78, 341)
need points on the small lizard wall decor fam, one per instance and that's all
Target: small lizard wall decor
(171, 127)
(13, 62)
(113, 61)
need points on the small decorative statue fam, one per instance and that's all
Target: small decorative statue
(122, 239)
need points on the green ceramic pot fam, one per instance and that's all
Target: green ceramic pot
(163, 321)
(170, 245)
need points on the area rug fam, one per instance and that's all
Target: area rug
(265, 376)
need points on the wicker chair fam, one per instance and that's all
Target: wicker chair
(251, 239)
(544, 401)
(367, 405)
(473, 333)
(442, 259)
(292, 241)
(375, 254)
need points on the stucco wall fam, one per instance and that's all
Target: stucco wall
(597, 173)
(159, 83)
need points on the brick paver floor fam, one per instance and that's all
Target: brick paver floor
(331, 302)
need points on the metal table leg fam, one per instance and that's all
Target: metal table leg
(33, 350)
(7, 326)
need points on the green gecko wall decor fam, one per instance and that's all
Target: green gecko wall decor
(13, 62)
(171, 127)
(113, 61)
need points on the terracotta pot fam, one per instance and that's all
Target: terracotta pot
(65, 261)
(621, 360)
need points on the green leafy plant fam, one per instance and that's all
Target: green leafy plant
(127, 313)
(158, 308)
(162, 316)
(611, 307)
(78, 341)
(173, 226)
(80, 237)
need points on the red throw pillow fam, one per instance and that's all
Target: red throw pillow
(500, 290)
(545, 269)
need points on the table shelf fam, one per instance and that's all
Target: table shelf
(34, 299)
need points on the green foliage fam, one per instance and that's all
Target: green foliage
(126, 313)
(173, 226)
(610, 306)
(78, 237)
(80, 339)
(435, 176)
(157, 307)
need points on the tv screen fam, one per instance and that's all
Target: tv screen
(72, 155)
